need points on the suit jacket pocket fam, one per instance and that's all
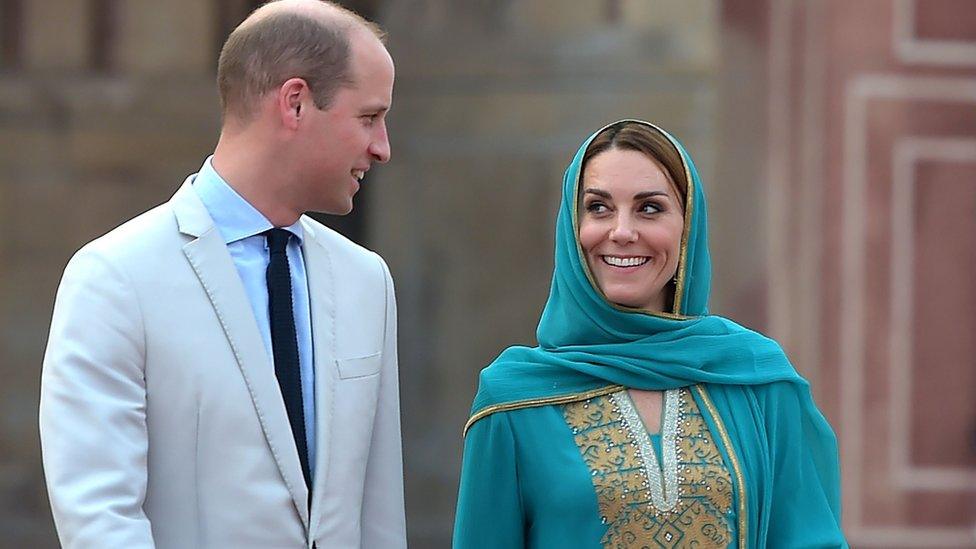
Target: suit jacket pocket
(359, 367)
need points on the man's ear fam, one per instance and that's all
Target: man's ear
(291, 99)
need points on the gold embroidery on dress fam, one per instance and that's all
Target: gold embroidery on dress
(703, 516)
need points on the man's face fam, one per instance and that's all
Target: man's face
(341, 142)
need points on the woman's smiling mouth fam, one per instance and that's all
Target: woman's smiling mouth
(620, 261)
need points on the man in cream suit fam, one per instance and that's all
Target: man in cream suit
(222, 370)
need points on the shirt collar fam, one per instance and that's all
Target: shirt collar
(235, 217)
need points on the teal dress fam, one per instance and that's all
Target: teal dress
(555, 454)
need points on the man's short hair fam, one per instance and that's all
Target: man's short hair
(261, 55)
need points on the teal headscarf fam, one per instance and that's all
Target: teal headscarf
(586, 342)
(589, 346)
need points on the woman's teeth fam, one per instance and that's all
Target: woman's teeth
(358, 174)
(624, 261)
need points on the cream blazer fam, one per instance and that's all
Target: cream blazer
(162, 424)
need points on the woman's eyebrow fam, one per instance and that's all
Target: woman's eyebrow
(599, 192)
(648, 194)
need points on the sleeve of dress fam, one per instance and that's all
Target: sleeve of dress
(805, 510)
(489, 510)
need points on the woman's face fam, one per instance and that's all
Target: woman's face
(630, 224)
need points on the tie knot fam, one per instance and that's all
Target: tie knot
(277, 240)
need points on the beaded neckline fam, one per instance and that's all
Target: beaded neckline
(662, 480)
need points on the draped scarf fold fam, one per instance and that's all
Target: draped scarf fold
(586, 342)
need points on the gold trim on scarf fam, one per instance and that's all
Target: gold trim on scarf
(535, 402)
(743, 511)
(679, 286)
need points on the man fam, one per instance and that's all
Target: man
(221, 370)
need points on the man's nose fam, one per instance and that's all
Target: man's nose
(379, 148)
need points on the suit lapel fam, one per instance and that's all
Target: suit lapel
(211, 261)
(321, 291)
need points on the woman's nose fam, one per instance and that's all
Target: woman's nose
(623, 232)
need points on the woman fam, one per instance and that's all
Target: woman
(641, 420)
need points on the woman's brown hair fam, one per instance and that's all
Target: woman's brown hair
(634, 136)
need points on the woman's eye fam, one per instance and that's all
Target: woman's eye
(596, 207)
(650, 208)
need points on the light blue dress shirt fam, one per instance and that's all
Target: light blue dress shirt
(241, 225)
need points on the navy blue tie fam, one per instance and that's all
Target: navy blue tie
(284, 342)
